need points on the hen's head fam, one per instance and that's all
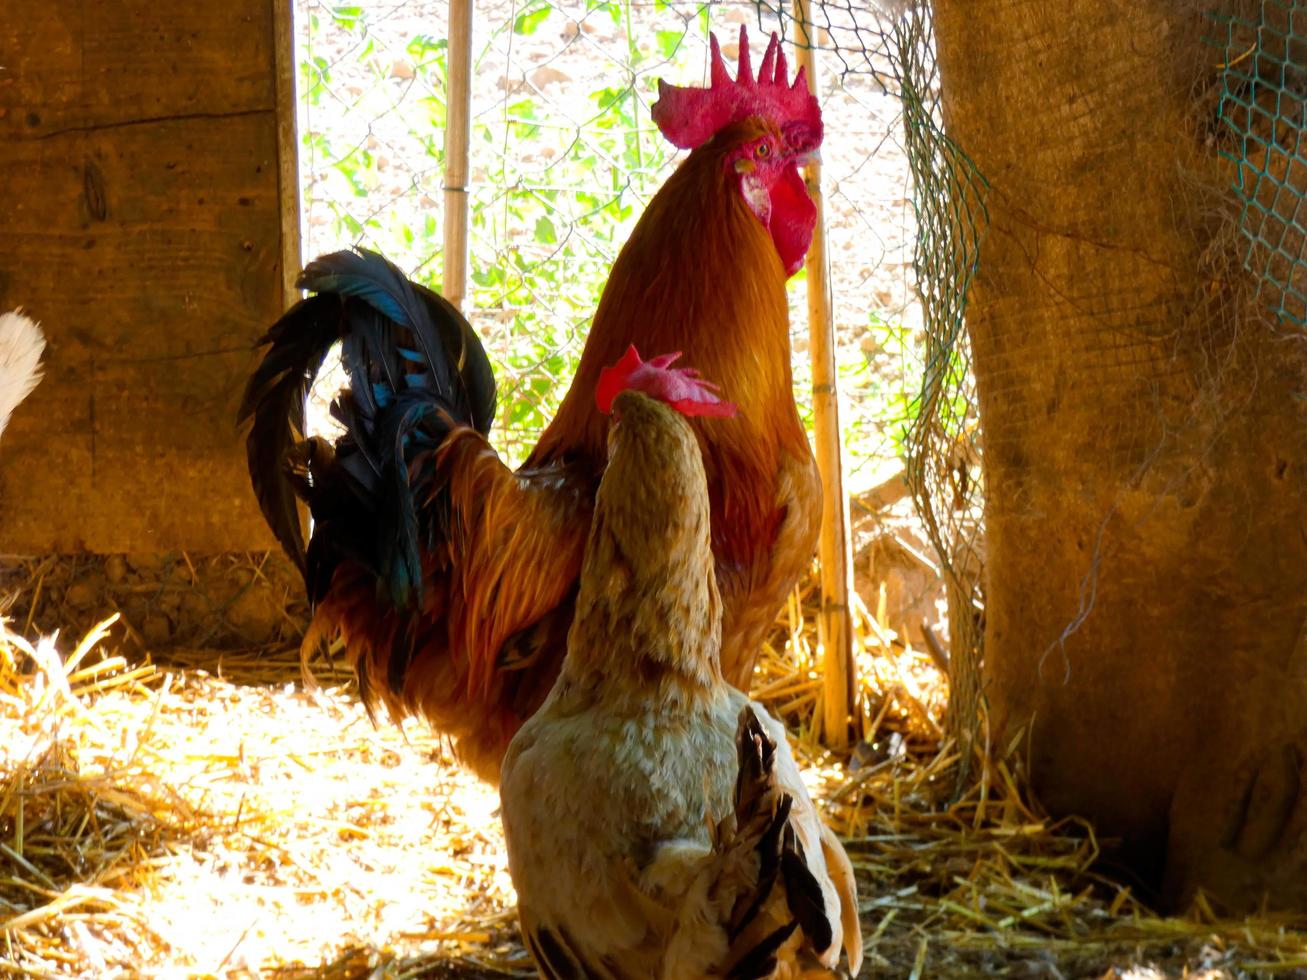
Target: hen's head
(653, 498)
(648, 613)
(680, 388)
(774, 127)
(651, 442)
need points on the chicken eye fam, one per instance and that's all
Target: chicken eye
(762, 151)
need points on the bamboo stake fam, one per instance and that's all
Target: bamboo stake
(833, 550)
(458, 120)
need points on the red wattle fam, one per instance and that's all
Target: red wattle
(793, 217)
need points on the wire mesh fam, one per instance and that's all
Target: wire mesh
(564, 160)
(944, 465)
(1264, 103)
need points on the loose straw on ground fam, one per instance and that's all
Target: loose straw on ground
(156, 821)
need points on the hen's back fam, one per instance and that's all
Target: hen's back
(590, 798)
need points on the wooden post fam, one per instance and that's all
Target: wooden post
(458, 122)
(288, 170)
(128, 160)
(833, 550)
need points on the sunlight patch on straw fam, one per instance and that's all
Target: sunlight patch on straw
(146, 816)
(156, 821)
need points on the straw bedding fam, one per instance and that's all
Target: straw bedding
(225, 821)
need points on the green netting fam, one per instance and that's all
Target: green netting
(1264, 104)
(944, 465)
(895, 44)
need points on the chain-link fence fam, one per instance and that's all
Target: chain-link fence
(564, 159)
(1264, 104)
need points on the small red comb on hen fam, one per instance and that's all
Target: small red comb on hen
(689, 116)
(681, 388)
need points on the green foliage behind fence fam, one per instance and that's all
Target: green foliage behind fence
(565, 158)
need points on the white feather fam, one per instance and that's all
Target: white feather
(21, 344)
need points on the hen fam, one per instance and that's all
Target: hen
(637, 845)
(450, 578)
(21, 344)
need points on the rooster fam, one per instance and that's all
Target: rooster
(21, 344)
(630, 853)
(451, 579)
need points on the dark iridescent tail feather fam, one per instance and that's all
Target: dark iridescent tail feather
(762, 812)
(416, 371)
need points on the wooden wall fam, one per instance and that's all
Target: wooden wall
(143, 222)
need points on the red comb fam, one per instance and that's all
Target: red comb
(689, 117)
(681, 388)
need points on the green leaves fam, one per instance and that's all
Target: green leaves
(545, 233)
(561, 170)
(532, 17)
(521, 120)
(669, 42)
(428, 49)
(606, 98)
(348, 17)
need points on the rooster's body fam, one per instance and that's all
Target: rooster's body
(450, 578)
(638, 846)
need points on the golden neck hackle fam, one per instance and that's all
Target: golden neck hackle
(699, 275)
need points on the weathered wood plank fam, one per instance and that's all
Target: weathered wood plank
(140, 165)
(283, 29)
(106, 475)
(73, 64)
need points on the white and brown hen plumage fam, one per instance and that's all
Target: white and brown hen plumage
(21, 344)
(656, 823)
